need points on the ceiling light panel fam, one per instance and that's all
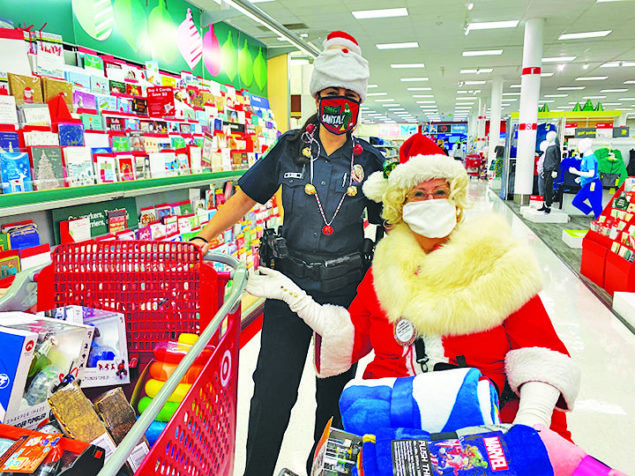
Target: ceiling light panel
(476, 71)
(483, 53)
(593, 97)
(617, 64)
(570, 88)
(396, 46)
(559, 59)
(413, 79)
(384, 100)
(592, 78)
(376, 94)
(430, 95)
(471, 83)
(419, 89)
(622, 90)
(385, 13)
(407, 65)
(581, 36)
(556, 95)
(492, 25)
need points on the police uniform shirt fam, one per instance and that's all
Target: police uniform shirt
(303, 222)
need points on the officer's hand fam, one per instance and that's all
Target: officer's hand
(270, 284)
(554, 174)
(203, 246)
(573, 170)
(578, 179)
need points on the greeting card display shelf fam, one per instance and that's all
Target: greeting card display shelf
(608, 249)
(28, 202)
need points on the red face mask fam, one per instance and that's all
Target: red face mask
(338, 114)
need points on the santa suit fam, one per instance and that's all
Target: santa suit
(474, 302)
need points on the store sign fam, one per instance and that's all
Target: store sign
(98, 214)
(588, 132)
(459, 128)
(623, 131)
(604, 125)
(444, 128)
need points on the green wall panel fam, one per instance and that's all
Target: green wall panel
(57, 13)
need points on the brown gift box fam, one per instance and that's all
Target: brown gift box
(117, 414)
(53, 87)
(25, 89)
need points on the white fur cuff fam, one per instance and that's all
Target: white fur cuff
(539, 364)
(335, 351)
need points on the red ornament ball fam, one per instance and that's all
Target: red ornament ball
(345, 50)
(310, 128)
(358, 149)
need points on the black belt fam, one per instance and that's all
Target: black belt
(322, 270)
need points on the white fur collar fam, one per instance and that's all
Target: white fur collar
(471, 284)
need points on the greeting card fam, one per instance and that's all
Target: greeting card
(8, 112)
(48, 167)
(115, 123)
(157, 164)
(177, 142)
(105, 102)
(79, 166)
(71, 134)
(134, 89)
(116, 220)
(148, 215)
(15, 171)
(118, 87)
(124, 105)
(94, 122)
(120, 143)
(183, 163)
(9, 142)
(40, 138)
(77, 77)
(132, 124)
(34, 115)
(25, 89)
(126, 167)
(151, 144)
(52, 88)
(84, 100)
(105, 168)
(142, 165)
(95, 140)
(136, 141)
(163, 210)
(99, 84)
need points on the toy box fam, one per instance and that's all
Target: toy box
(38, 355)
(108, 358)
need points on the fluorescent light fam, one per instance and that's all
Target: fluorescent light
(511, 94)
(546, 75)
(303, 35)
(561, 67)
(391, 105)
(612, 104)
(419, 89)
(470, 83)
(426, 102)
(483, 53)
(491, 25)
(461, 92)
(556, 95)
(570, 88)
(592, 78)
(558, 59)
(377, 94)
(394, 46)
(466, 99)
(617, 64)
(546, 100)
(517, 86)
(413, 79)
(622, 90)
(389, 12)
(407, 65)
(476, 71)
(593, 97)
(588, 34)
(627, 99)
(511, 99)
(432, 95)
(371, 86)
(630, 81)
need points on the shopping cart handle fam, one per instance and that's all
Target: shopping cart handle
(22, 294)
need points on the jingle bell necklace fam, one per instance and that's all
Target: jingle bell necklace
(310, 189)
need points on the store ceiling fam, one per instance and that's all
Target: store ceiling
(438, 26)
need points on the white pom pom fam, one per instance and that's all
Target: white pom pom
(375, 187)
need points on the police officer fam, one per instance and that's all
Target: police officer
(321, 169)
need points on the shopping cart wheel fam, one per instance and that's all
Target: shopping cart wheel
(286, 472)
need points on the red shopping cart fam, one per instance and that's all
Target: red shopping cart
(163, 288)
(473, 165)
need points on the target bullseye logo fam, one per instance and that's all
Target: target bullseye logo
(226, 368)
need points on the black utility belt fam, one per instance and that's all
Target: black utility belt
(322, 270)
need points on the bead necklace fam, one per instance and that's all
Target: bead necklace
(310, 189)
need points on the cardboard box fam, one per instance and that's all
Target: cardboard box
(107, 362)
(38, 354)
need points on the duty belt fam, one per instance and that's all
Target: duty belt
(321, 270)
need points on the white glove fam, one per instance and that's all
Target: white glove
(272, 284)
(537, 401)
(554, 174)
(578, 180)
(573, 170)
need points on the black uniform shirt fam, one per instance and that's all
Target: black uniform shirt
(303, 222)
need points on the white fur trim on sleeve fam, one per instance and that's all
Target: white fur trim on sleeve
(336, 347)
(539, 364)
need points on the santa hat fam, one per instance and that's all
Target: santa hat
(340, 65)
(420, 159)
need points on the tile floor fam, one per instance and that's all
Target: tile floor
(603, 421)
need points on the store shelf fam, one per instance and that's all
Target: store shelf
(573, 114)
(28, 202)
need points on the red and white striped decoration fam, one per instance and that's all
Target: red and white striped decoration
(189, 41)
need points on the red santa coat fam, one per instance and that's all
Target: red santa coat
(475, 300)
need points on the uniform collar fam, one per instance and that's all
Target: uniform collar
(344, 151)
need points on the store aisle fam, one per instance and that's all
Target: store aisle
(603, 420)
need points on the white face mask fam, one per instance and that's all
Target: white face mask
(430, 218)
